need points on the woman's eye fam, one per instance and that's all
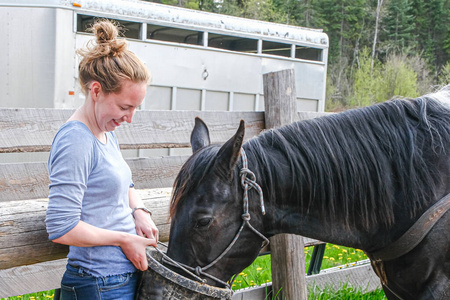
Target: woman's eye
(203, 222)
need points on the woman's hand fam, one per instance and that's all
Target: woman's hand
(134, 246)
(145, 226)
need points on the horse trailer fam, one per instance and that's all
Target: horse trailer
(199, 60)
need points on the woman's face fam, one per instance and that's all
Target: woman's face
(115, 108)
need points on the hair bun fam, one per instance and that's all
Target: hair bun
(106, 33)
(107, 60)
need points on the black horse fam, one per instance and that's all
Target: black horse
(360, 178)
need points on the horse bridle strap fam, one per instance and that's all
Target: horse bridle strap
(409, 240)
(248, 181)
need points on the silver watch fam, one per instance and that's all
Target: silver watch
(140, 207)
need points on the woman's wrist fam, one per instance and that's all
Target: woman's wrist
(140, 209)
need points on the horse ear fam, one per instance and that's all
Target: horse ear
(199, 135)
(229, 153)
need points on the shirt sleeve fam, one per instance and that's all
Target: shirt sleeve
(69, 166)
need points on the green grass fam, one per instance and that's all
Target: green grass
(34, 296)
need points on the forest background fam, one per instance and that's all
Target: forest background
(378, 49)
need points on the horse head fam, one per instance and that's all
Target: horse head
(207, 233)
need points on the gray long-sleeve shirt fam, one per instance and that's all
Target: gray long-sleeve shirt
(89, 181)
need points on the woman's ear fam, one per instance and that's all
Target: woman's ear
(95, 90)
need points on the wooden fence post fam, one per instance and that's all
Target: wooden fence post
(288, 258)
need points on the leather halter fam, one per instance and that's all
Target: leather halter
(409, 240)
(248, 181)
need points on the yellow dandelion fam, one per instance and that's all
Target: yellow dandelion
(331, 258)
(343, 250)
(325, 257)
(258, 269)
(340, 254)
(349, 258)
(336, 246)
(242, 273)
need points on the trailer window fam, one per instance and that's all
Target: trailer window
(308, 53)
(275, 48)
(130, 29)
(232, 43)
(177, 35)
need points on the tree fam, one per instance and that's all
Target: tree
(397, 33)
(375, 35)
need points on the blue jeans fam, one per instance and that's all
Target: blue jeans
(76, 284)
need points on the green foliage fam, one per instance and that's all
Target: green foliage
(33, 296)
(399, 78)
(398, 28)
(395, 78)
(444, 77)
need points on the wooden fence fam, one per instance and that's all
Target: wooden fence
(31, 263)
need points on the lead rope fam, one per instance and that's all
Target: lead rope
(247, 183)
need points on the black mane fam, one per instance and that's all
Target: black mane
(362, 164)
(358, 164)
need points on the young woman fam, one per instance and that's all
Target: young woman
(93, 206)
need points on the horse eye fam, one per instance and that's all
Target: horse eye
(203, 222)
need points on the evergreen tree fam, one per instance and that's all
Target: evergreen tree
(398, 28)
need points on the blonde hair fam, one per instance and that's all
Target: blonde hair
(108, 60)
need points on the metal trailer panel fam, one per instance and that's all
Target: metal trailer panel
(27, 60)
(219, 73)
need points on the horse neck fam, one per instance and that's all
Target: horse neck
(292, 205)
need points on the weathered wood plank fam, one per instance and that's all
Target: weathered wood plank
(33, 278)
(361, 276)
(24, 240)
(155, 172)
(33, 129)
(29, 130)
(22, 181)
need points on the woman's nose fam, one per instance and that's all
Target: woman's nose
(129, 117)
